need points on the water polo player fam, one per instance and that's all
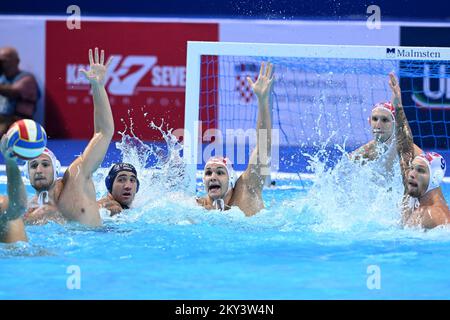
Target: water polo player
(423, 204)
(218, 177)
(73, 197)
(122, 184)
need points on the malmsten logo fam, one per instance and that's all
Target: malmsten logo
(411, 53)
(390, 52)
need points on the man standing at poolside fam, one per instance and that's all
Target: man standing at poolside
(223, 191)
(423, 202)
(14, 205)
(73, 197)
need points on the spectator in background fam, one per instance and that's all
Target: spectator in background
(19, 92)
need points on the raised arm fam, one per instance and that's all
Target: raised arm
(259, 163)
(94, 153)
(405, 143)
(13, 207)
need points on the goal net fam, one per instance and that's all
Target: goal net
(323, 96)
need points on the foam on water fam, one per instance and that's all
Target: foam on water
(161, 171)
(352, 196)
(349, 211)
(346, 197)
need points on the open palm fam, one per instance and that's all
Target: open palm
(96, 73)
(263, 84)
(396, 92)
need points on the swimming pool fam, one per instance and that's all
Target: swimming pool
(288, 251)
(332, 235)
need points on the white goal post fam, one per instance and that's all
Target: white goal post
(352, 54)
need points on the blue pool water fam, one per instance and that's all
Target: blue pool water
(336, 236)
(171, 249)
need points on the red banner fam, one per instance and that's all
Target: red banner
(146, 79)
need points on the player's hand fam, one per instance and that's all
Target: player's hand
(263, 85)
(114, 209)
(396, 92)
(41, 215)
(8, 154)
(112, 205)
(97, 72)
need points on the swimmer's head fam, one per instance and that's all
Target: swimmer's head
(218, 177)
(426, 173)
(43, 170)
(122, 183)
(382, 121)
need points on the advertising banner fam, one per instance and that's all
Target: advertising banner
(145, 82)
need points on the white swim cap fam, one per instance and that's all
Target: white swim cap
(385, 106)
(389, 107)
(55, 163)
(228, 166)
(436, 166)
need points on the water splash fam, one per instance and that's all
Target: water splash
(345, 196)
(171, 169)
(351, 196)
(161, 170)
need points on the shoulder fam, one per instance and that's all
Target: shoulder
(26, 76)
(250, 181)
(25, 79)
(247, 197)
(363, 151)
(250, 203)
(200, 201)
(435, 216)
(368, 145)
(246, 183)
(441, 214)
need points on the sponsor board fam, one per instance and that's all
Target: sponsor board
(145, 82)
